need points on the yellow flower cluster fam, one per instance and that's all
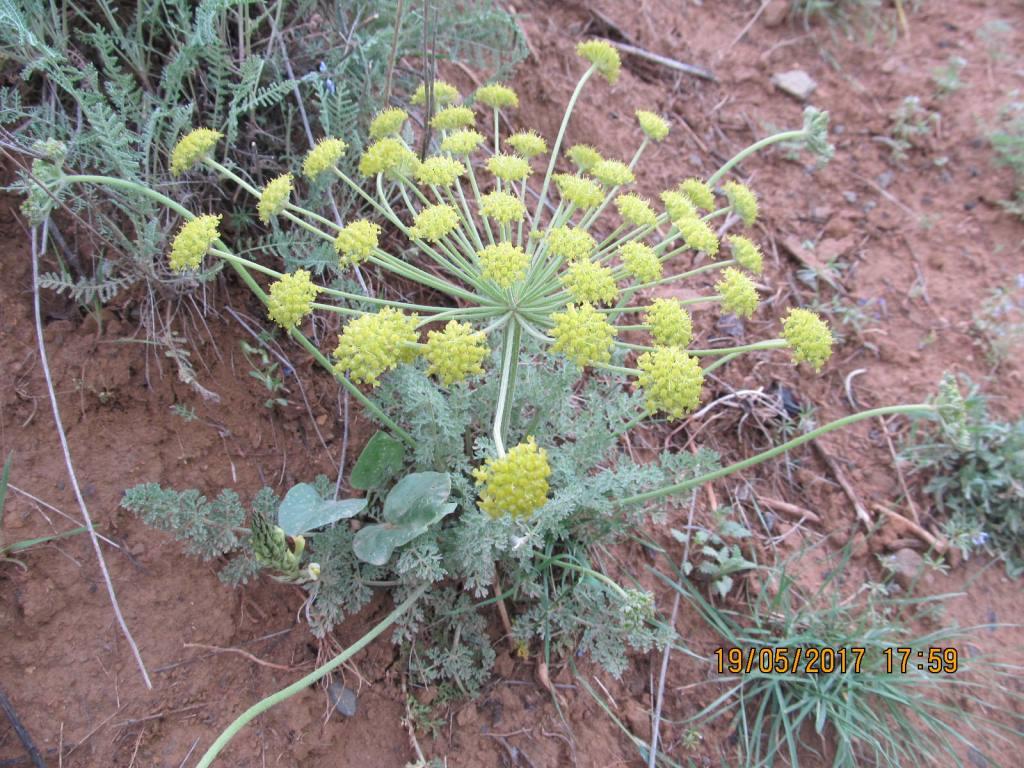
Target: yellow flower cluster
(641, 261)
(322, 157)
(502, 207)
(654, 126)
(584, 156)
(581, 192)
(570, 244)
(737, 293)
(444, 93)
(388, 122)
(746, 253)
(357, 241)
(699, 192)
(193, 147)
(603, 56)
(583, 335)
(590, 282)
(679, 207)
(439, 171)
(463, 142)
(455, 353)
(809, 337)
(670, 324)
(527, 143)
(274, 197)
(671, 381)
(434, 223)
(452, 118)
(515, 484)
(503, 263)
(636, 210)
(497, 96)
(373, 344)
(193, 241)
(743, 201)
(612, 173)
(291, 298)
(698, 235)
(389, 156)
(509, 167)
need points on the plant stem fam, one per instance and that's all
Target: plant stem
(300, 685)
(506, 389)
(755, 147)
(777, 450)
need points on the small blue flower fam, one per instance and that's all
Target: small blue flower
(980, 539)
(330, 86)
(323, 67)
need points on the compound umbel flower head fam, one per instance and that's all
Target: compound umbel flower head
(515, 484)
(274, 197)
(671, 381)
(372, 344)
(456, 353)
(193, 147)
(193, 241)
(808, 336)
(291, 298)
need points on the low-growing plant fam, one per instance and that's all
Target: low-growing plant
(911, 123)
(1008, 142)
(947, 77)
(872, 703)
(999, 323)
(503, 393)
(717, 560)
(976, 480)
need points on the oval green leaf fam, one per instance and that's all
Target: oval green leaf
(302, 510)
(381, 459)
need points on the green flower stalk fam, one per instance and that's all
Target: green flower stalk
(515, 484)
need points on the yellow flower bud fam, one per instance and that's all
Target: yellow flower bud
(502, 207)
(527, 143)
(357, 241)
(603, 56)
(670, 324)
(509, 167)
(737, 293)
(456, 352)
(571, 244)
(374, 343)
(671, 381)
(274, 197)
(389, 156)
(444, 93)
(581, 192)
(439, 171)
(809, 337)
(324, 156)
(640, 260)
(453, 118)
(515, 484)
(193, 147)
(462, 142)
(193, 241)
(434, 223)
(584, 156)
(612, 173)
(583, 335)
(746, 253)
(699, 236)
(679, 207)
(636, 210)
(743, 201)
(590, 282)
(654, 126)
(699, 192)
(504, 263)
(388, 122)
(291, 298)
(497, 96)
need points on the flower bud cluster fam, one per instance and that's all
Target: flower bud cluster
(671, 381)
(389, 156)
(613, 173)
(389, 122)
(455, 353)
(527, 143)
(746, 253)
(193, 147)
(439, 171)
(640, 261)
(504, 263)
(582, 334)
(193, 241)
(636, 210)
(291, 298)
(808, 336)
(462, 143)
(653, 125)
(670, 324)
(434, 223)
(603, 56)
(373, 344)
(590, 282)
(274, 197)
(584, 156)
(443, 93)
(742, 200)
(497, 96)
(323, 157)
(453, 118)
(502, 207)
(570, 243)
(357, 241)
(515, 484)
(509, 167)
(582, 192)
(737, 293)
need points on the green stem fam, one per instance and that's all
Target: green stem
(506, 389)
(300, 685)
(558, 145)
(757, 146)
(777, 450)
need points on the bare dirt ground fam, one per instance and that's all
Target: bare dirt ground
(925, 241)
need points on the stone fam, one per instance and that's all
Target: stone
(795, 83)
(343, 698)
(906, 566)
(775, 13)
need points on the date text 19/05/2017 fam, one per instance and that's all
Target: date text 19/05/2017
(814, 660)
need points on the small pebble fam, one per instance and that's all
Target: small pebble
(343, 699)
(795, 83)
